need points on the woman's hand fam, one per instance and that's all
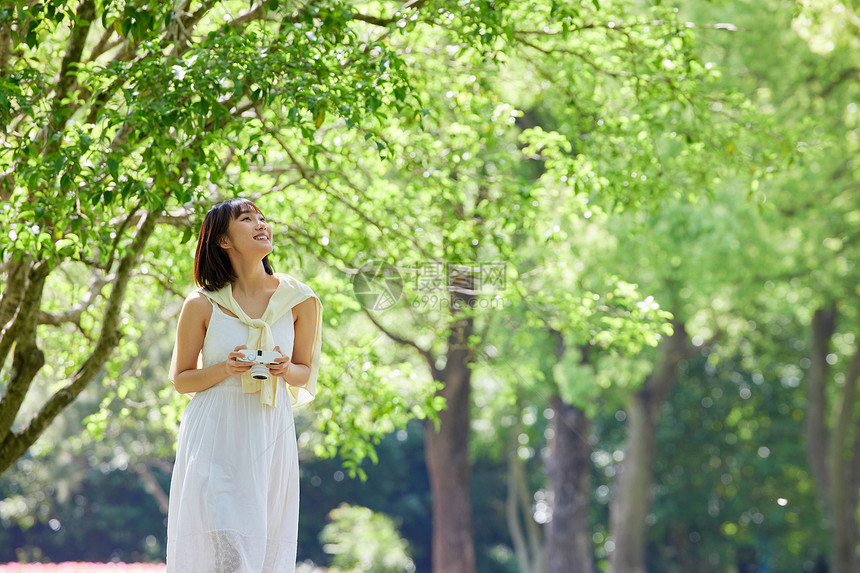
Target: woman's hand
(282, 365)
(235, 366)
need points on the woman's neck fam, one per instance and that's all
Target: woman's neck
(250, 279)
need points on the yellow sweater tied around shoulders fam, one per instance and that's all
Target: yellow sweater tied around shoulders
(289, 293)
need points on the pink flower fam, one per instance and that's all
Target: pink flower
(70, 567)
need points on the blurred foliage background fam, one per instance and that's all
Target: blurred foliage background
(607, 315)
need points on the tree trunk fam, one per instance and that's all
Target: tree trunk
(629, 509)
(28, 359)
(525, 531)
(447, 456)
(568, 468)
(20, 335)
(844, 475)
(834, 456)
(568, 540)
(852, 501)
(823, 327)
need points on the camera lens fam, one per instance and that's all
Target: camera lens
(259, 372)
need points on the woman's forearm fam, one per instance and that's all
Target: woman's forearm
(297, 375)
(199, 379)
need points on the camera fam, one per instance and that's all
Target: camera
(260, 358)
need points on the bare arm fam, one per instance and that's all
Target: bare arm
(190, 333)
(305, 322)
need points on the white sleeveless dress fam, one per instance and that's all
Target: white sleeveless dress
(234, 494)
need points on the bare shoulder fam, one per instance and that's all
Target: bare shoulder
(197, 307)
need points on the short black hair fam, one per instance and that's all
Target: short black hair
(212, 267)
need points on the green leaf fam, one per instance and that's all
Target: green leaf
(187, 235)
(113, 167)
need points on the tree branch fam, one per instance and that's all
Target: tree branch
(27, 358)
(16, 443)
(151, 485)
(846, 75)
(312, 241)
(73, 314)
(256, 12)
(674, 350)
(385, 22)
(341, 174)
(104, 44)
(617, 27)
(16, 286)
(307, 176)
(24, 301)
(535, 548)
(512, 508)
(428, 356)
(565, 51)
(5, 45)
(84, 15)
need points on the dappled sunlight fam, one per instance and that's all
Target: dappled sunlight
(589, 272)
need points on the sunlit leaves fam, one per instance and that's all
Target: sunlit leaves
(441, 133)
(364, 401)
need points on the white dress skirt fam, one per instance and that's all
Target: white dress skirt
(234, 494)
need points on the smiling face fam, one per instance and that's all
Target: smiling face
(248, 232)
(233, 228)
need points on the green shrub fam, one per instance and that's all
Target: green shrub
(360, 540)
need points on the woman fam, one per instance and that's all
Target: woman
(234, 495)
